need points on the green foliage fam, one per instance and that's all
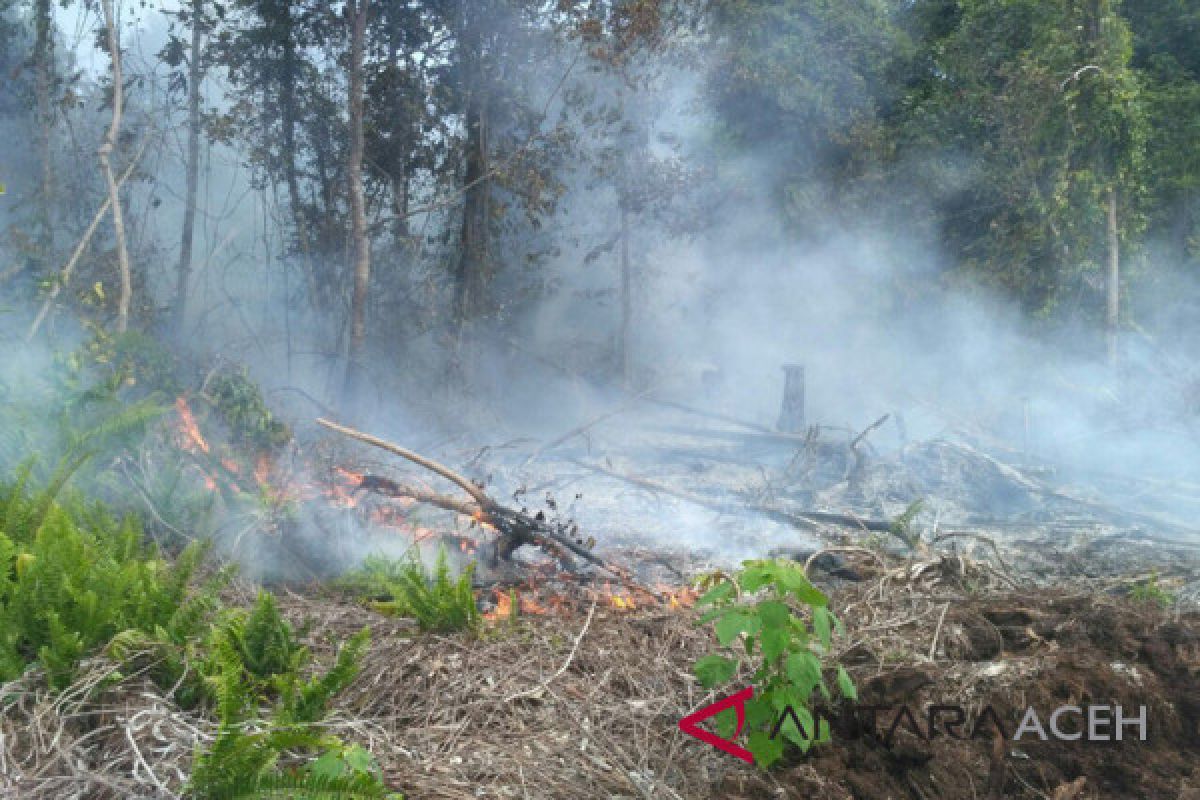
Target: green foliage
(902, 525)
(1151, 591)
(240, 403)
(267, 709)
(72, 578)
(773, 624)
(437, 601)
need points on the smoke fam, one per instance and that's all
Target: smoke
(720, 289)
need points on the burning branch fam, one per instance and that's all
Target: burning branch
(515, 528)
(467, 486)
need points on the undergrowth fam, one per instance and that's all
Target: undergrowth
(405, 587)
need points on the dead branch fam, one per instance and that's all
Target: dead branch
(713, 416)
(858, 460)
(868, 431)
(584, 427)
(477, 494)
(805, 520)
(516, 528)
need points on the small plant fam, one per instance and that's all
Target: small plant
(1151, 591)
(437, 601)
(240, 403)
(775, 625)
(902, 525)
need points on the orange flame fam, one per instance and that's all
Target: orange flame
(262, 470)
(188, 428)
(504, 607)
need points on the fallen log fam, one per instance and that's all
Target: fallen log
(514, 528)
(805, 520)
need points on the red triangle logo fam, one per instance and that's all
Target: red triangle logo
(690, 726)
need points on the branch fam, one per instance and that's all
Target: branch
(485, 503)
(69, 269)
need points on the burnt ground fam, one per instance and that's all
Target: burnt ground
(585, 702)
(568, 706)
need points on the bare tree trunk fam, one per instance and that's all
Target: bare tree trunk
(43, 58)
(183, 275)
(473, 275)
(1113, 282)
(105, 153)
(626, 332)
(357, 9)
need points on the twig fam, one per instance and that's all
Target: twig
(805, 520)
(570, 657)
(938, 632)
(577, 430)
(1007, 572)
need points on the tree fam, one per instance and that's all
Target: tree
(196, 19)
(44, 82)
(1041, 96)
(357, 12)
(105, 153)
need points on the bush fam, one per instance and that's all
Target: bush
(784, 635)
(72, 577)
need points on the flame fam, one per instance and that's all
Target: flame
(504, 607)
(188, 429)
(262, 469)
(676, 597)
(530, 605)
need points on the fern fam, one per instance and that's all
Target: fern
(438, 601)
(242, 759)
(74, 577)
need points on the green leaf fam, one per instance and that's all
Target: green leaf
(713, 670)
(773, 614)
(726, 723)
(804, 671)
(735, 623)
(823, 625)
(766, 750)
(845, 684)
(774, 642)
(757, 574)
(721, 591)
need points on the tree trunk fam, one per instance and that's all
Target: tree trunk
(43, 59)
(626, 332)
(287, 103)
(184, 271)
(105, 153)
(357, 9)
(474, 272)
(1113, 282)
